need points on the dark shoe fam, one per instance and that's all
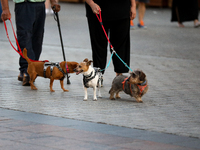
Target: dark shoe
(20, 76)
(26, 80)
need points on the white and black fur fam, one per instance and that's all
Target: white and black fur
(91, 78)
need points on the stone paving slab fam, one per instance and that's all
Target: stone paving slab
(19, 132)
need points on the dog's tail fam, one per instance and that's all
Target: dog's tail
(25, 55)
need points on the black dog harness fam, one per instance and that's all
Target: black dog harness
(52, 65)
(89, 77)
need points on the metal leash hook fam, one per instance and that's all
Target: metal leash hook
(58, 22)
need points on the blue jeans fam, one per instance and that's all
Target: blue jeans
(30, 21)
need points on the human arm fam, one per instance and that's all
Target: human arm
(133, 9)
(5, 10)
(55, 6)
(95, 8)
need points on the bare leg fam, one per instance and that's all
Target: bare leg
(141, 12)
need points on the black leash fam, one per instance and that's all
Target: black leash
(58, 22)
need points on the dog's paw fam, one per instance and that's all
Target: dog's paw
(94, 99)
(118, 97)
(66, 90)
(52, 90)
(33, 88)
(84, 99)
(112, 98)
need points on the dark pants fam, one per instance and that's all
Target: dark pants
(30, 20)
(0, 9)
(119, 35)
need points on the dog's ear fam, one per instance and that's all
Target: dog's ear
(133, 75)
(142, 76)
(89, 63)
(85, 60)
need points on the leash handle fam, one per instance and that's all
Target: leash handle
(100, 20)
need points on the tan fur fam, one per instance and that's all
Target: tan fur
(37, 69)
(83, 66)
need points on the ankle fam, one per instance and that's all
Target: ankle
(118, 74)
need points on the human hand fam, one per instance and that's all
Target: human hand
(6, 15)
(95, 8)
(55, 7)
(133, 13)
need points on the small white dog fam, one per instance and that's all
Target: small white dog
(91, 77)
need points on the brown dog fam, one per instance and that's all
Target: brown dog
(136, 85)
(53, 71)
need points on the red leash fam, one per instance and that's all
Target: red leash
(100, 20)
(20, 51)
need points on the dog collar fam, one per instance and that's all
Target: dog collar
(142, 84)
(67, 69)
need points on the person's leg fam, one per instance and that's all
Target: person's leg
(24, 17)
(99, 44)
(141, 13)
(0, 11)
(38, 29)
(120, 39)
(180, 24)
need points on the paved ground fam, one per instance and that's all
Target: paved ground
(169, 118)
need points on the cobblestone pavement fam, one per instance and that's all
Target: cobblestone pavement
(167, 54)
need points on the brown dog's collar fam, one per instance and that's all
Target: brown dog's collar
(67, 69)
(141, 87)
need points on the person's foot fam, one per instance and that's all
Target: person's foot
(26, 80)
(197, 25)
(20, 76)
(132, 25)
(181, 25)
(142, 26)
